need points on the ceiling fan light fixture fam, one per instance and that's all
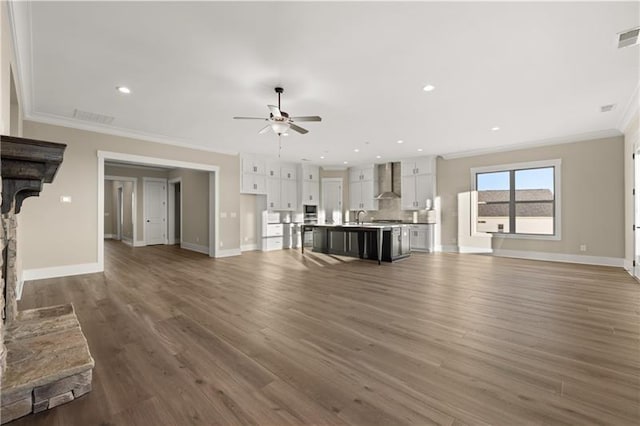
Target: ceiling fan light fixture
(280, 127)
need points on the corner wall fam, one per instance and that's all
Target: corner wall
(592, 197)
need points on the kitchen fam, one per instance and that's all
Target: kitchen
(379, 212)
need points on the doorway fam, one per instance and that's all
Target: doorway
(175, 211)
(331, 211)
(155, 211)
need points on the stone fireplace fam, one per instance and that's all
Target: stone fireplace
(44, 356)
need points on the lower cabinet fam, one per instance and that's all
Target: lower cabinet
(422, 238)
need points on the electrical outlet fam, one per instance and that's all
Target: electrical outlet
(221, 244)
(197, 239)
(583, 247)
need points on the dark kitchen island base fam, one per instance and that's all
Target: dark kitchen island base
(362, 241)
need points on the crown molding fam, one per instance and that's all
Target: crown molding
(57, 120)
(534, 144)
(631, 110)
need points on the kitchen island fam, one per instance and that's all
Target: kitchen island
(381, 242)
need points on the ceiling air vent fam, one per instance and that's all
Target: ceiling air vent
(628, 38)
(92, 116)
(607, 108)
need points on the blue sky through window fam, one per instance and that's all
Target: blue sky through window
(525, 179)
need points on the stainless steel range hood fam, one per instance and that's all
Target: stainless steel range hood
(387, 181)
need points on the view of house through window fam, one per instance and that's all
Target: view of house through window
(519, 201)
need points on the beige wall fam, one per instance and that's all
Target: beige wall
(111, 170)
(127, 207)
(195, 205)
(248, 219)
(592, 196)
(76, 223)
(631, 137)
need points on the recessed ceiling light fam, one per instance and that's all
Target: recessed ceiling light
(377, 156)
(400, 141)
(419, 149)
(322, 157)
(123, 89)
(356, 150)
(346, 162)
(285, 134)
(428, 88)
(495, 128)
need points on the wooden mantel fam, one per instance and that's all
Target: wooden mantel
(27, 164)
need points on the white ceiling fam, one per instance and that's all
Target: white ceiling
(536, 70)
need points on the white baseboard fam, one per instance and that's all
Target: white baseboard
(561, 257)
(194, 247)
(483, 250)
(249, 247)
(628, 266)
(448, 249)
(139, 244)
(109, 236)
(228, 252)
(57, 271)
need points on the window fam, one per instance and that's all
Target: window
(518, 200)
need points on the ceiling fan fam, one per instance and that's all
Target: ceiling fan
(279, 121)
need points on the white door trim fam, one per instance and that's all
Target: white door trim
(214, 201)
(172, 210)
(134, 209)
(144, 207)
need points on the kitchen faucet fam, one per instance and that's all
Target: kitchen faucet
(358, 216)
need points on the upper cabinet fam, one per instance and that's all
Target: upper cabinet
(418, 182)
(309, 185)
(253, 177)
(418, 166)
(363, 187)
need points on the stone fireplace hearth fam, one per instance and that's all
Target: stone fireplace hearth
(44, 356)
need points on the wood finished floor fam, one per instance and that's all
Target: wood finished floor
(284, 339)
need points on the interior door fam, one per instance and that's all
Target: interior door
(332, 201)
(155, 208)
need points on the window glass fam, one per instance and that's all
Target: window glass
(534, 196)
(493, 201)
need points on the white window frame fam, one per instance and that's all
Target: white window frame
(557, 182)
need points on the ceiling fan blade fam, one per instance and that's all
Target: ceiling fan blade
(298, 129)
(265, 129)
(275, 111)
(249, 118)
(307, 118)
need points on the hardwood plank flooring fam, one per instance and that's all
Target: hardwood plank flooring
(282, 338)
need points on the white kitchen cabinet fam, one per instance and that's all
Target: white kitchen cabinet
(273, 194)
(253, 165)
(288, 194)
(418, 166)
(418, 183)
(288, 172)
(310, 193)
(310, 173)
(363, 187)
(421, 237)
(273, 170)
(252, 178)
(308, 185)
